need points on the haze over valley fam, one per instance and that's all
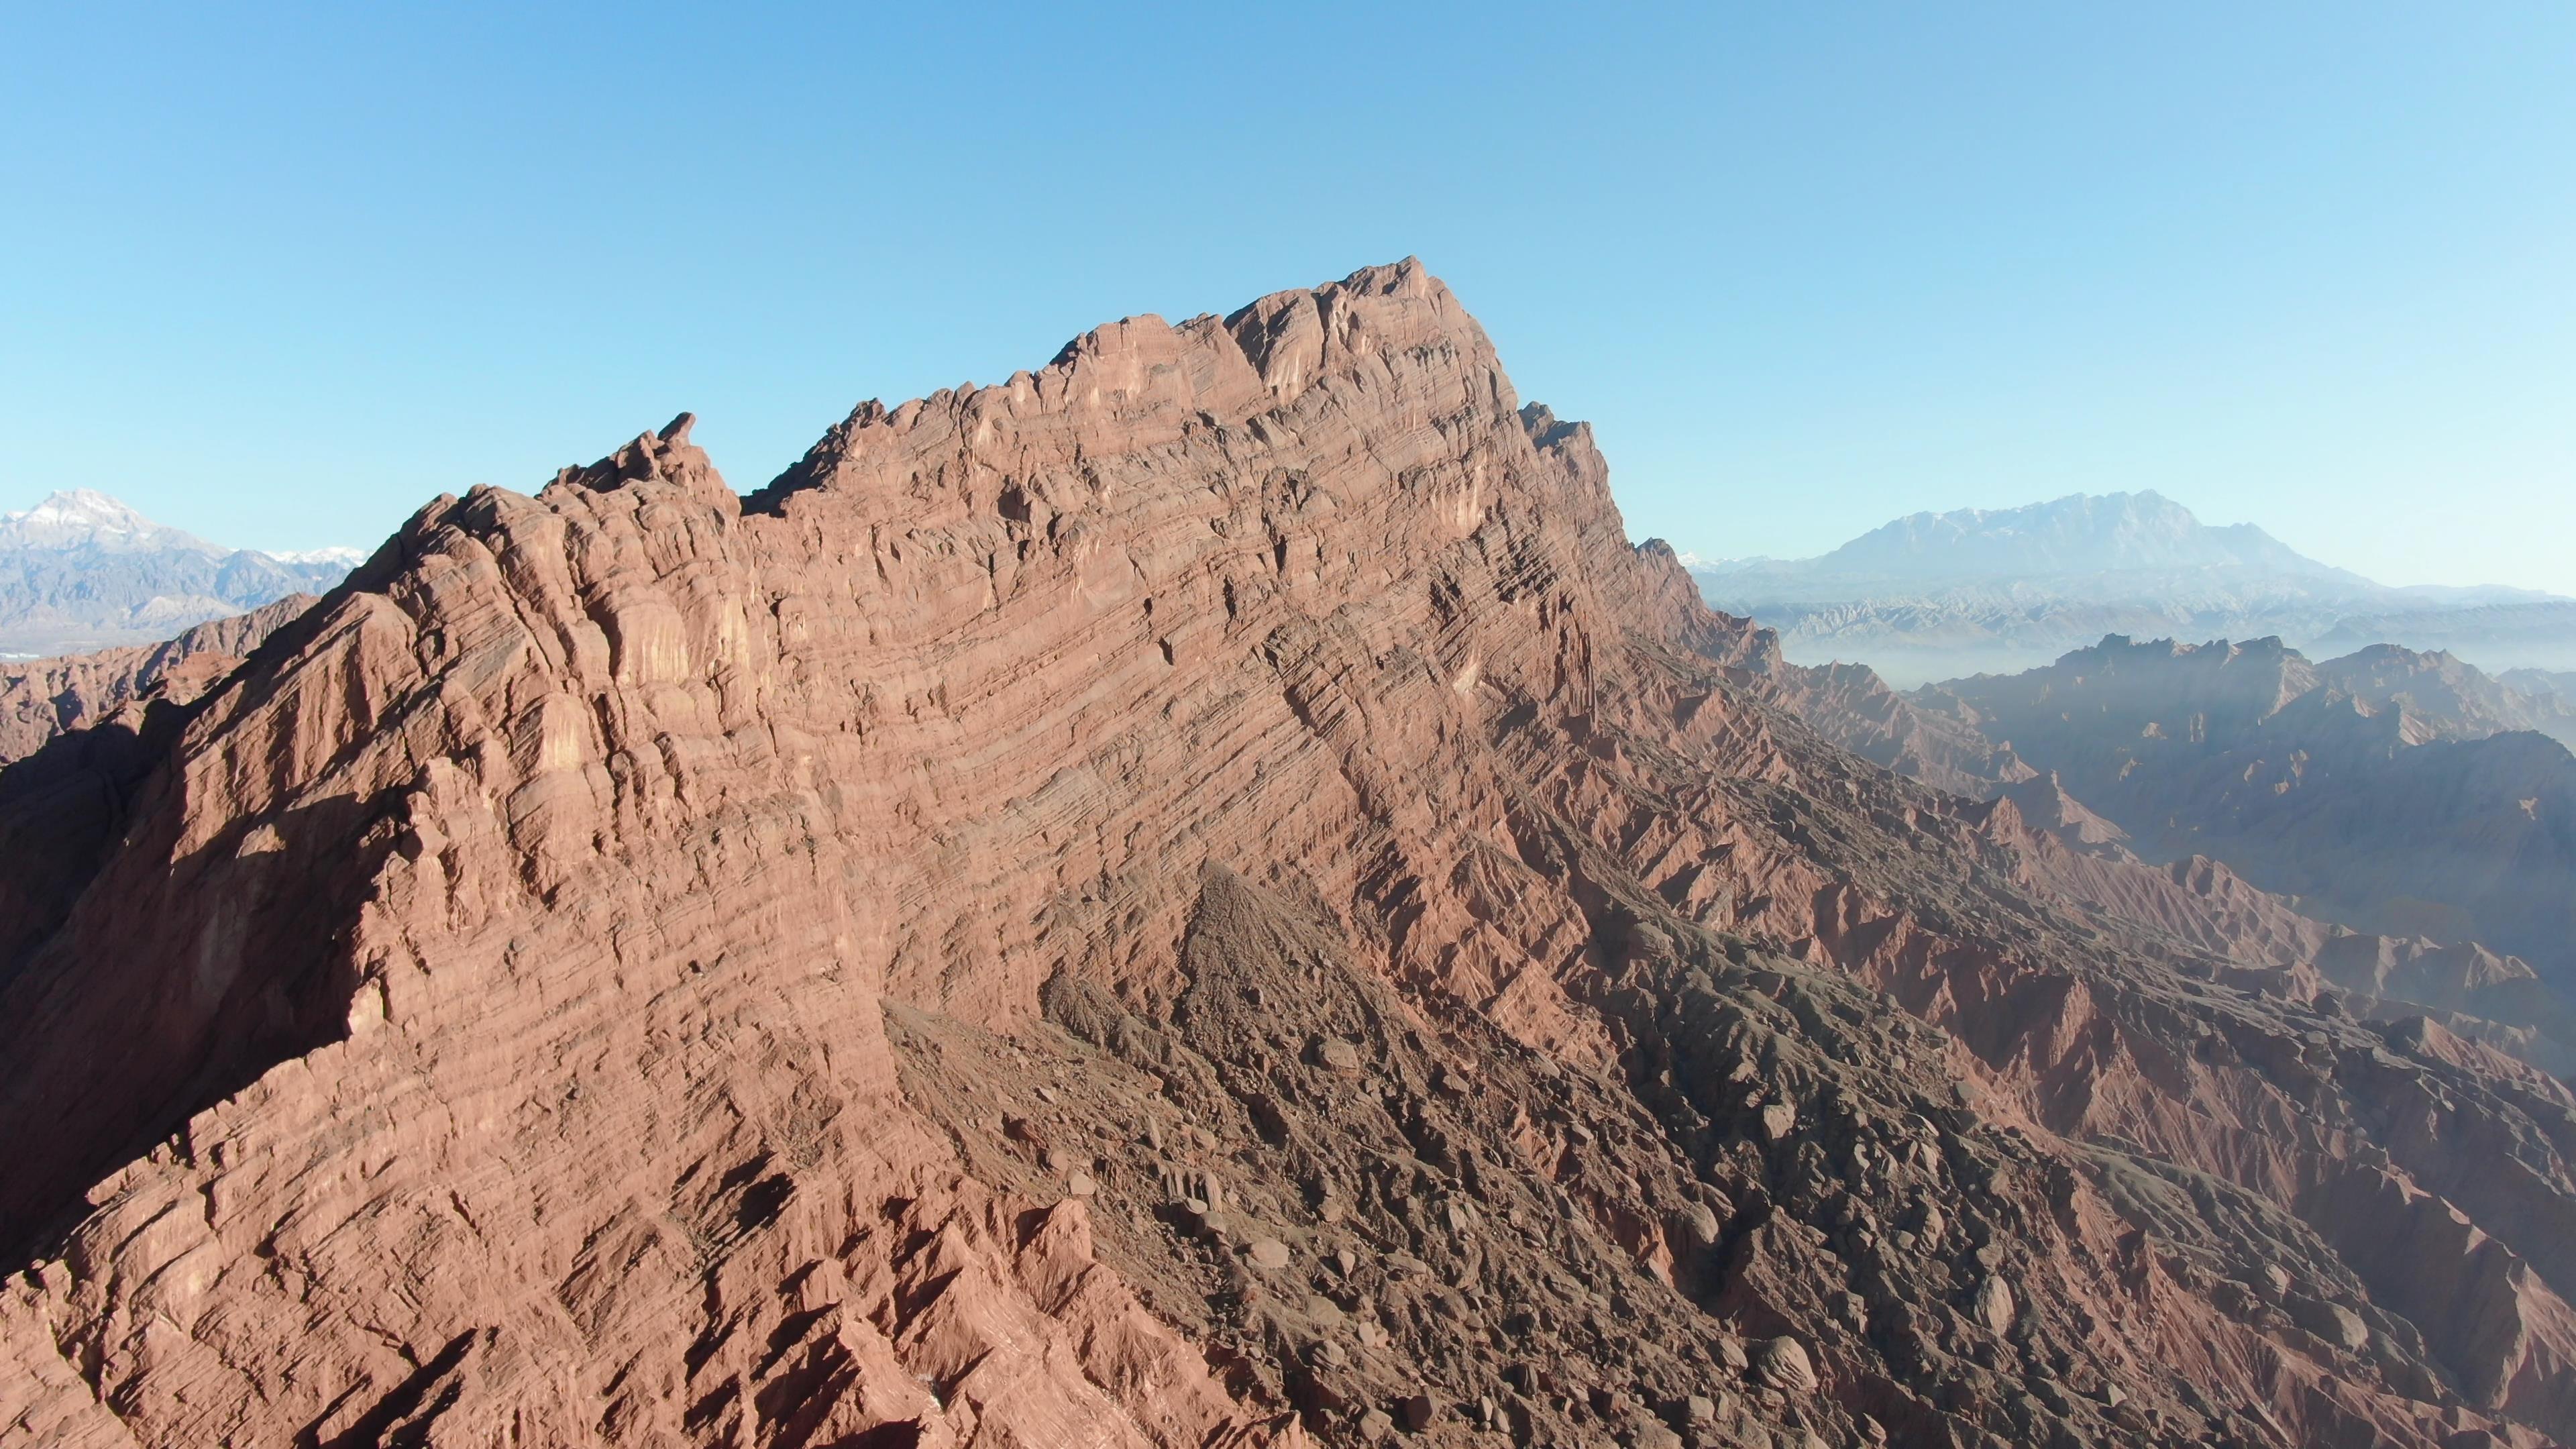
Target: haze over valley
(1940, 595)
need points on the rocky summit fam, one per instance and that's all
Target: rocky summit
(1201, 896)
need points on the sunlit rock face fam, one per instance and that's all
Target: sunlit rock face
(1204, 895)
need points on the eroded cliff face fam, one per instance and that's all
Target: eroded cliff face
(1204, 895)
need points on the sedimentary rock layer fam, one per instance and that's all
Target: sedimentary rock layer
(1202, 895)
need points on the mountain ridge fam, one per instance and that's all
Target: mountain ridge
(2000, 590)
(2078, 531)
(42, 699)
(2250, 752)
(1203, 895)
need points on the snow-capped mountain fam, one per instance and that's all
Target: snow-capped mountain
(81, 518)
(81, 570)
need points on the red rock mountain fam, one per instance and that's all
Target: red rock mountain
(1205, 895)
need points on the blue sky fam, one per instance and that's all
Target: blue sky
(279, 279)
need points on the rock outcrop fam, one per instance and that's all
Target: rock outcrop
(1205, 895)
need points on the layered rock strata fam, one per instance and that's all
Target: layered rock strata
(1204, 895)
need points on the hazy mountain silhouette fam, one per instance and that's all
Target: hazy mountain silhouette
(1975, 590)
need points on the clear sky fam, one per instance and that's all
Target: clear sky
(279, 278)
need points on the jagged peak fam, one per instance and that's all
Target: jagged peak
(665, 453)
(1141, 382)
(604, 812)
(86, 518)
(1546, 430)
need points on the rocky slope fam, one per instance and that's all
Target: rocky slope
(1204, 895)
(42, 698)
(80, 571)
(2542, 684)
(2393, 792)
(2077, 854)
(2003, 590)
(2443, 697)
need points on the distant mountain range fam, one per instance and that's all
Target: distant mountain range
(2543, 683)
(82, 571)
(2398, 821)
(2001, 590)
(2388, 791)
